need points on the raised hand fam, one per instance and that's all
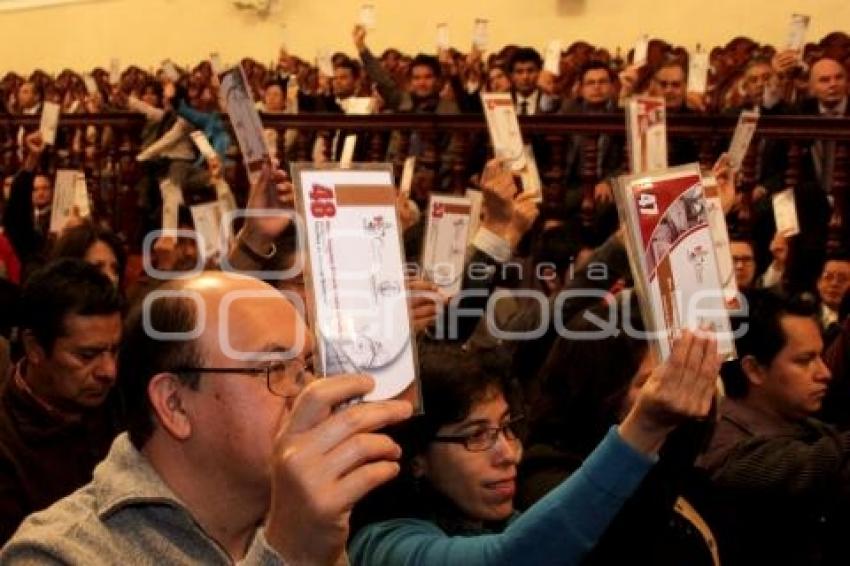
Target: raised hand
(681, 388)
(324, 462)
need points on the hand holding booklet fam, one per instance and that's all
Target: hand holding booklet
(673, 257)
(446, 238)
(236, 94)
(743, 136)
(355, 277)
(504, 129)
(70, 192)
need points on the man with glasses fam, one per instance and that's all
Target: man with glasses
(744, 261)
(833, 283)
(55, 421)
(232, 452)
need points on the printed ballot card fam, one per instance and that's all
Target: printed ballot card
(443, 42)
(237, 98)
(552, 60)
(720, 237)
(407, 171)
(797, 32)
(672, 255)
(641, 51)
(504, 129)
(698, 71)
(49, 122)
(355, 276)
(480, 34)
(367, 17)
(743, 136)
(646, 125)
(70, 190)
(446, 238)
(785, 213)
(207, 218)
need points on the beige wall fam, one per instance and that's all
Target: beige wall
(146, 31)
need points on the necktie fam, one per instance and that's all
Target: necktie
(523, 108)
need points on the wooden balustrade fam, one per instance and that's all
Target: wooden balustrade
(451, 148)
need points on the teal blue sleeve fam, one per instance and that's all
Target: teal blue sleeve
(562, 527)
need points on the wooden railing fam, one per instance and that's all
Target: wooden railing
(105, 145)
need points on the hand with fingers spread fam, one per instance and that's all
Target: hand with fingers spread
(324, 462)
(681, 388)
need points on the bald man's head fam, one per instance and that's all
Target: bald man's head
(828, 82)
(215, 319)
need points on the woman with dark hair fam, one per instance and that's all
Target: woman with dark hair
(452, 502)
(585, 387)
(96, 245)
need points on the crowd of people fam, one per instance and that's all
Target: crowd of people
(130, 434)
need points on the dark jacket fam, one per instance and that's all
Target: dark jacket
(45, 456)
(780, 490)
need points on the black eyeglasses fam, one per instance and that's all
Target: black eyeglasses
(285, 379)
(484, 438)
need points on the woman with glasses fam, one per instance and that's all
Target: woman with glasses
(452, 502)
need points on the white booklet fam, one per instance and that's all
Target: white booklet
(91, 84)
(646, 125)
(720, 237)
(797, 32)
(504, 129)
(347, 155)
(743, 136)
(673, 256)
(207, 218)
(49, 122)
(785, 213)
(479, 34)
(70, 190)
(443, 42)
(367, 17)
(239, 102)
(641, 52)
(698, 71)
(355, 276)
(552, 60)
(407, 171)
(358, 105)
(446, 238)
(476, 199)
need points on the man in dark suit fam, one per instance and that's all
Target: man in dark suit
(828, 90)
(524, 71)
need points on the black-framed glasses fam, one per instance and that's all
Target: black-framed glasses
(284, 379)
(484, 438)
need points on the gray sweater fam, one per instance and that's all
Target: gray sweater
(126, 515)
